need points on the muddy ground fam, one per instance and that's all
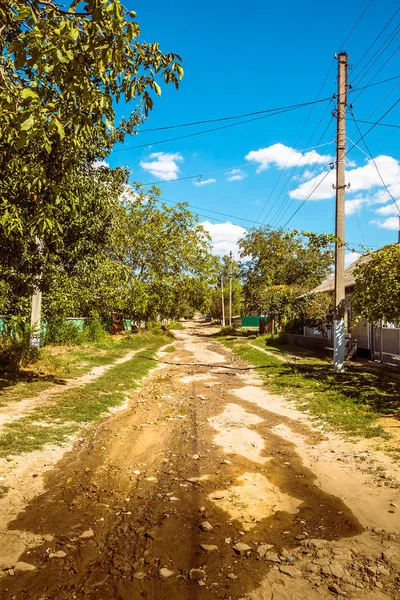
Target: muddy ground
(204, 487)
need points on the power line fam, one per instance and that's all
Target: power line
(307, 198)
(376, 166)
(347, 152)
(375, 40)
(278, 215)
(190, 206)
(181, 137)
(268, 113)
(386, 43)
(242, 166)
(356, 24)
(380, 124)
(377, 73)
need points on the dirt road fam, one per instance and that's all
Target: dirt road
(206, 487)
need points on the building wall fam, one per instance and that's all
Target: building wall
(359, 331)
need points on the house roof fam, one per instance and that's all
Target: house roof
(349, 279)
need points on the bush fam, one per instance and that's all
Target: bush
(15, 347)
(154, 327)
(61, 331)
(93, 331)
(227, 330)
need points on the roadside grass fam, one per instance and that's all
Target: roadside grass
(73, 409)
(175, 325)
(59, 363)
(351, 402)
(170, 348)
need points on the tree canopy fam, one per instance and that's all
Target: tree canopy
(157, 263)
(377, 290)
(279, 267)
(61, 73)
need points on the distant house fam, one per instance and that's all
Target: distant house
(365, 334)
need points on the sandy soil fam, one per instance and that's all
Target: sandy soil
(205, 486)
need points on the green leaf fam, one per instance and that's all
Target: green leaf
(28, 123)
(60, 128)
(27, 93)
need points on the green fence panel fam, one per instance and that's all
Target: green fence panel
(252, 321)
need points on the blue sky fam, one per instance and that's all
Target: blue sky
(240, 58)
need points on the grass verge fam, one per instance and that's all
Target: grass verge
(70, 410)
(351, 402)
(60, 363)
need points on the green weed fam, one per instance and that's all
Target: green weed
(351, 402)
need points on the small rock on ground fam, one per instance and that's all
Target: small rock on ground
(208, 547)
(89, 533)
(165, 573)
(241, 548)
(23, 566)
(197, 574)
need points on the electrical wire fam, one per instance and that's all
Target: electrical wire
(278, 215)
(380, 124)
(189, 135)
(307, 198)
(377, 73)
(382, 48)
(356, 24)
(375, 40)
(269, 111)
(347, 152)
(373, 160)
(201, 175)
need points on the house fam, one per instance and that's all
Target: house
(371, 340)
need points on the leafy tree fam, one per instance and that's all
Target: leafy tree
(167, 254)
(281, 266)
(317, 310)
(86, 233)
(157, 264)
(61, 72)
(377, 291)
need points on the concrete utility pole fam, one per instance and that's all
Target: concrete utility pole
(339, 333)
(223, 300)
(36, 309)
(230, 288)
(35, 318)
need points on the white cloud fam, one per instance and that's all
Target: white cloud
(163, 165)
(351, 257)
(235, 175)
(351, 206)
(390, 223)
(224, 237)
(204, 181)
(363, 178)
(390, 209)
(96, 164)
(283, 157)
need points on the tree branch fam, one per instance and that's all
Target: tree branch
(60, 11)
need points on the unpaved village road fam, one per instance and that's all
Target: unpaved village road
(206, 486)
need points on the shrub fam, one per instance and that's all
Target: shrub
(15, 346)
(227, 330)
(61, 331)
(93, 331)
(154, 327)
